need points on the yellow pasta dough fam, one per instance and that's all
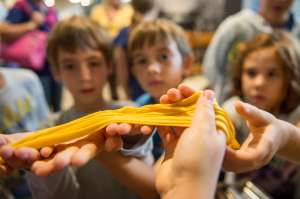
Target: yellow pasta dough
(178, 114)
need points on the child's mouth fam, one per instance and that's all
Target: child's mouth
(257, 99)
(87, 90)
(155, 83)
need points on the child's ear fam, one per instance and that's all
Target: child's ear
(56, 74)
(187, 64)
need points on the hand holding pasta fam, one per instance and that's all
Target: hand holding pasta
(178, 114)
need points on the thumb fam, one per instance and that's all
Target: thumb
(204, 117)
(253, 115)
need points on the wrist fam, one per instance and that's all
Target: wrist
(290, 134)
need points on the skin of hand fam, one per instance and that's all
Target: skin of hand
(12, 155)
(193, 157)
(267, 136)
(48, 159)
(77, 153)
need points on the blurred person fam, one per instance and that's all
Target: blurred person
(127, 85)
(23, 109)
(271, 15)
(29, 15)
(112, 15)
(266, 62)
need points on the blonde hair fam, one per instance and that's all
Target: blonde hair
(287, 52)
(77, 32)
(158, 31)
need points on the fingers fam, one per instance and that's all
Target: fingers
(186, 91)
(253, 115)
(173, 95)
(45, 152)
(58, 162)
(28, 155)
(7, 153)
(169, 140)
(89, 147)
(146, 130)
(204, 116)
(43, 167)
(64, 158)
(113, 143)
(118, 129)
(85, 154)
(249, 157)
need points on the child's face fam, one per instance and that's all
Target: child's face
(83, 73)
(276, 9)
(159, 67)
(263, 80)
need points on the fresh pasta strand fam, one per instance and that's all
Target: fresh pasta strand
(178, 114)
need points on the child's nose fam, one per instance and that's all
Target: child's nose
(154, 68)
(260, 80)
(85, 73)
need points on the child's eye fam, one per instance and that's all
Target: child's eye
(95, 64)
(163, 57)
(251, 72)
(69, 66)
(272, 74)
(141, 62)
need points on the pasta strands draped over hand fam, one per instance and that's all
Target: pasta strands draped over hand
(178, 114)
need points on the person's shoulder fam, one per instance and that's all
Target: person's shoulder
(239, 17)
(20, 74)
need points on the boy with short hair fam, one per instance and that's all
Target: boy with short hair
(80, 53)
(161, 57)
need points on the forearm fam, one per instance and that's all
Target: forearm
(290, 149)
(12, 31)
(135, 174)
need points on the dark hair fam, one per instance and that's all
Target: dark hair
(287, 51)
(142, 6)
(77, 32)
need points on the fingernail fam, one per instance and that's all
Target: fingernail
(209, 95)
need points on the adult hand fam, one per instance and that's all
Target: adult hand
(194, 155)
